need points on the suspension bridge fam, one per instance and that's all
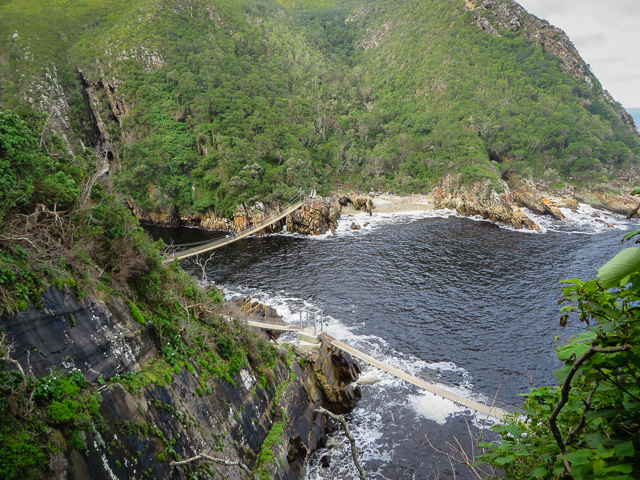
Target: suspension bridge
(311, 333)
(294, 204)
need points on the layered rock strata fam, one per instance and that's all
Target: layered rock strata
(142, 430)
(496, 207)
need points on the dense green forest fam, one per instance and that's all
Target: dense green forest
(82, 240)
(206, 104)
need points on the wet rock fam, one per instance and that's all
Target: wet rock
(336, 371)
(564, 201)
(355, 226)
(606, 224)
(537, 203)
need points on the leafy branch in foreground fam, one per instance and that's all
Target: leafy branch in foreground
(588, 426)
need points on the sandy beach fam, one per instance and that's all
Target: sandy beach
(389, 203)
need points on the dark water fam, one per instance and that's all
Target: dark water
(451, 299)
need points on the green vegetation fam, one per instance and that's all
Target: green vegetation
(100, 250)
(135, 313)
(266, 457)
(588, 427)
(64, 402)
(214, 104)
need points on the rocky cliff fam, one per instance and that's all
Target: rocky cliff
(507, 15)
(152, 413)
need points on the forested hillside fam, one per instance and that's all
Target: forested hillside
(204, 104)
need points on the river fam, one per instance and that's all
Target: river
(459, 301)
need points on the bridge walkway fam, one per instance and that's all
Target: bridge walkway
(430, 387)
(488, 410)
(271, 219)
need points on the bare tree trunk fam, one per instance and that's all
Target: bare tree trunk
(222, 461)
(354, 451)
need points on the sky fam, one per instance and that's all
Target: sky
(607, 35)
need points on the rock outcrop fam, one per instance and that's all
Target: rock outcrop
(360, 202)
(249, 309)
(620, 204)
(527, 196)
(266, 424)
(96, 336)
(336, 372)
(317, 217)
(489, 205)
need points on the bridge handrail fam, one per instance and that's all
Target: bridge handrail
(293, 204)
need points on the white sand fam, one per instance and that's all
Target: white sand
(388, 203)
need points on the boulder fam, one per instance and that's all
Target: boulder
(317, 217)
(336, 372)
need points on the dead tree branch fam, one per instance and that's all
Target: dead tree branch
(222, 461)
(15, 393)
(352, 441)
(203, 266)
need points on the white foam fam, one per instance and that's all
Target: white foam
(586, 220)
(367, 426)
(433, 407)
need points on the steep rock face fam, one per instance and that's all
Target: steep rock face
(96, 336)
(268, 426)
(229, 423)
(94, 94)
(527, 196)
(317, 217)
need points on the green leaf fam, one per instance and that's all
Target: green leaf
(577, 349)
(605, 327)
(629, 235)
(622, 468)
(585, 336)
(624, 264)
(539, 472)
(625, 450)
(631, 406)
(504, 460)
(635, 191)
(580, 457)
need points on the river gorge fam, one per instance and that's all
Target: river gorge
(458, 301)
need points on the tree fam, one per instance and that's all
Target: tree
(587, 427)
(26, 175)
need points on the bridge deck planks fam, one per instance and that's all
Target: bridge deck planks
(245, 233)
(273, 326)
(473, 405)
